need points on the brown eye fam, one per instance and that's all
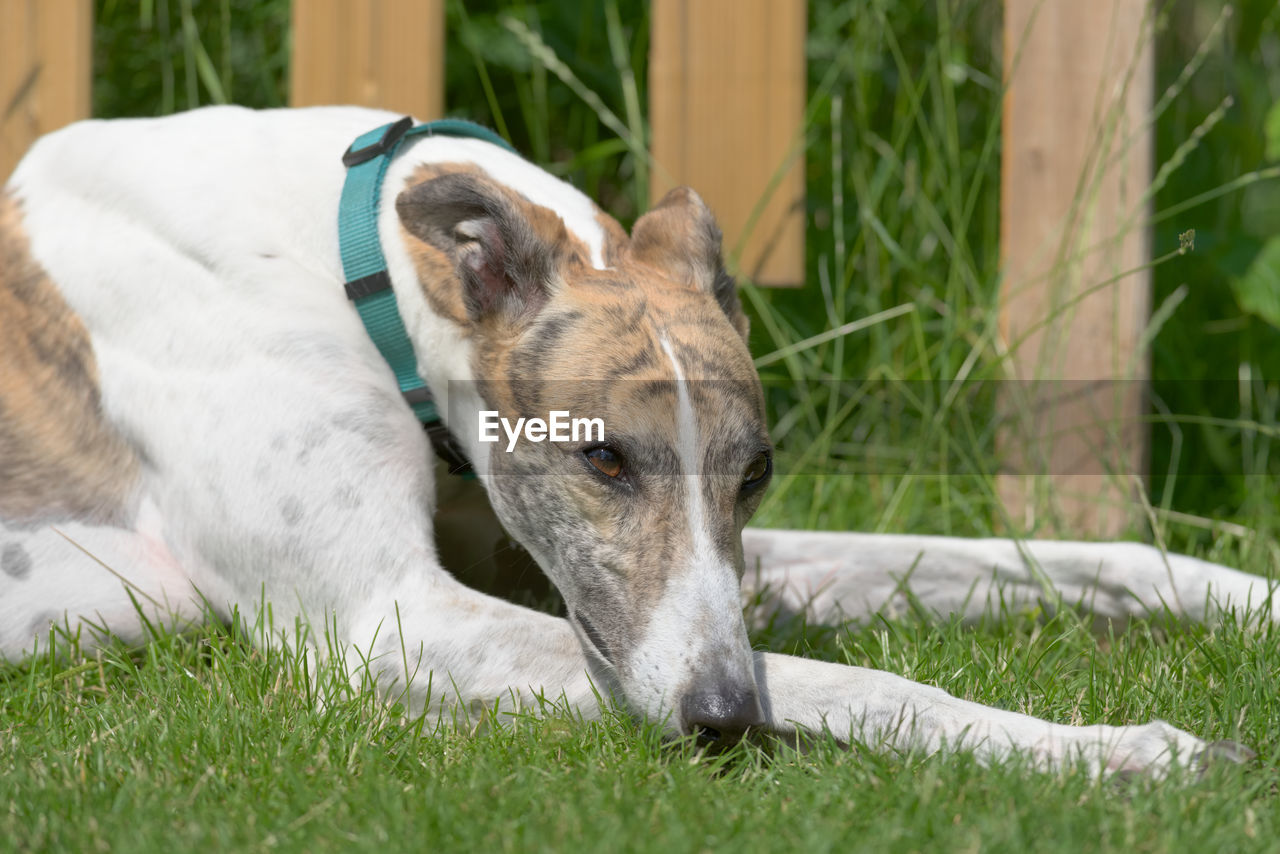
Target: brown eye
(606, 460)
(757, 470)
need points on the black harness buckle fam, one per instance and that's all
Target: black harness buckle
(448, 449)
(390, 137)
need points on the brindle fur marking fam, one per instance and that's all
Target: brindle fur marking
(437, 269)
(668, 284)
(645, 560)
(680, 237)
(59, 457)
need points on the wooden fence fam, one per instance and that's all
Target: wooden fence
(727, 95)
(727, 90)
(1077, 161)
(377, 53)
(45, 70)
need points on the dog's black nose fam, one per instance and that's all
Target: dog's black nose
(721, 718)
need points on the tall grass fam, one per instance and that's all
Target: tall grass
(902, 143)
(888, 423)
(208, 740)
(215, 740)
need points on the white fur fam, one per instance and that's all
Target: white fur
(698, 619)
(829, 577)
(200, 252)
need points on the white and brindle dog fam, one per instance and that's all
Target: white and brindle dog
(192, 414)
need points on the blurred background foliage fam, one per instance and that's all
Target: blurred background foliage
(903, 191)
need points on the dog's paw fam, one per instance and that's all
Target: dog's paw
(1221, 753)
(1155, 748)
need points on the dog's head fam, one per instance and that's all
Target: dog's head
(639, 529)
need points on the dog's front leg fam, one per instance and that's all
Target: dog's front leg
(882, 711)
(453, 651)
(831, 576)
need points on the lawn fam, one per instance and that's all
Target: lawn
(203, 741)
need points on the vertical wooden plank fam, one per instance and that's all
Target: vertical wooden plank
(375, 53)
(46, 67)
(416, 29)
(726, 105)
(1077, 158)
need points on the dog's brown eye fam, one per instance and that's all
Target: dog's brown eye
(757, 470)
(606, 460)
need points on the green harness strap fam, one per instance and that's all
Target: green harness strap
(365, 267)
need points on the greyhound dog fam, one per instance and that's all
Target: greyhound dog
(193, 414)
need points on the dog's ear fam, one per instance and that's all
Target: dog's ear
(506, 267)
(679, 236)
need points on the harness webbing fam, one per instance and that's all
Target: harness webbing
(365, 268)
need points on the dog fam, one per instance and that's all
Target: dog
(194, 415)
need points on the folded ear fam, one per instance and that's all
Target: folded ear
(505, 266)
(679, 236)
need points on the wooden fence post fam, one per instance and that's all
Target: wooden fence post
(726, 104)
(1077, 160)
(375, 53)
(46, 67)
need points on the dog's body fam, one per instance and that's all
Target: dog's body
(191, 410)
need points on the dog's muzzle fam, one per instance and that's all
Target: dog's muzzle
(720, 718)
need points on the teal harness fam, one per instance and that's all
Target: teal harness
(365, 268)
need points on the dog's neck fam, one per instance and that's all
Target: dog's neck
(446, 354)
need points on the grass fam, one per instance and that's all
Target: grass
(204, 741)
